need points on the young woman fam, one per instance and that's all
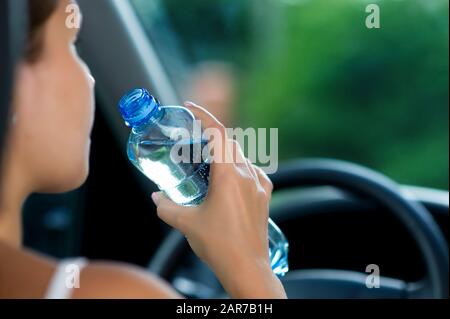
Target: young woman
(53, 92)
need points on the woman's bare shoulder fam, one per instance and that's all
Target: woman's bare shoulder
(107, 279)
(27, 274)
(23, 273)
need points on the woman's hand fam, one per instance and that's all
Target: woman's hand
(229, 229)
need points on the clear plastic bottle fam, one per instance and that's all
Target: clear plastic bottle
(154, 128)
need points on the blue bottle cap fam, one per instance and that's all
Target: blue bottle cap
(138, 107)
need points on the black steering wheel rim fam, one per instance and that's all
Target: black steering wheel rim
(366, 182)
(360, 181)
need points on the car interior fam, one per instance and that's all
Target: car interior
(340, 215)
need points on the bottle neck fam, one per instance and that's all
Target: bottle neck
(153, 119)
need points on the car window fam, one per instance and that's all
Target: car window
(333, 84)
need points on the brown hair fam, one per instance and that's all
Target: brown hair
(39, 11)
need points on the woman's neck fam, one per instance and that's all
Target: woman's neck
(13, 193)
(11, 227)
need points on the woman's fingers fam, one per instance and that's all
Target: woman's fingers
(264, 180)
(244, 164)
(237, 154)
(208, 120)
(217, 139)
(230, 150)
(179, 217)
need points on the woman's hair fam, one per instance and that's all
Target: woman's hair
(39, 11)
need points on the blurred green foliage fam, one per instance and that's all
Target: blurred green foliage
(333, 87)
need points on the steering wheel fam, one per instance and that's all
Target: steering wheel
(319, 283)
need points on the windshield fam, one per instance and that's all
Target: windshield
(333, 81)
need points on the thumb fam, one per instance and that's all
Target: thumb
(174, 215)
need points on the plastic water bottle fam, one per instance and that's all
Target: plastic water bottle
(154, 132)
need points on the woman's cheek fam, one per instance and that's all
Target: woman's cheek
(81, 102)
(86, 89)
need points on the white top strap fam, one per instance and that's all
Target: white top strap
(65, 279)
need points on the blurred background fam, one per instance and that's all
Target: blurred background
(312, 69)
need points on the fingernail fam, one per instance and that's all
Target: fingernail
(155, 197)
(189, 103)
